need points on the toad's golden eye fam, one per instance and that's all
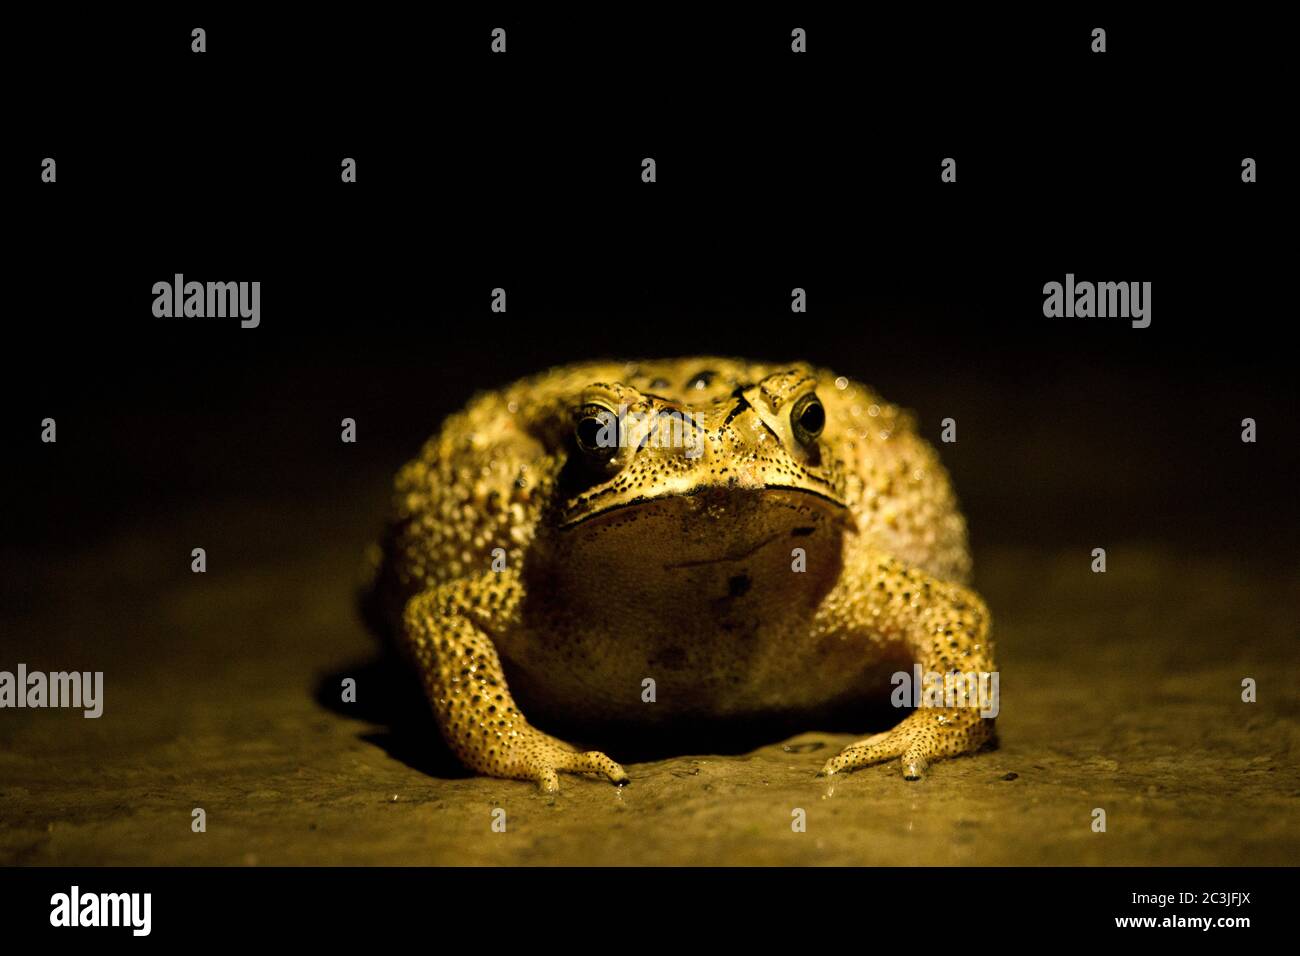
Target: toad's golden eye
(596, 431)
(808, 418)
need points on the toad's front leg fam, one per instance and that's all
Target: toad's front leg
(446, 633)
(946, 628)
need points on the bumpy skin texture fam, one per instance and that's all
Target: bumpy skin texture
(763, 540)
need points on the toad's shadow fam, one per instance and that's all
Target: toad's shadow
(389, 694)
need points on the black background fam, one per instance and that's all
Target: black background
(774, 171)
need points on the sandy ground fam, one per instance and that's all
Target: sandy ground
(1120, 691)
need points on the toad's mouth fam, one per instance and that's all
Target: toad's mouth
(707, 502)
(736, 549)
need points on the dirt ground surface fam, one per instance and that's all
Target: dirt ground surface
(1120, 691)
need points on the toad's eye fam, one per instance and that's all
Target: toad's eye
(596, 432)
(807, 419)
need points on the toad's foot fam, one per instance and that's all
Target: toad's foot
(921, 737)
(947, 630)
(536, 756)
(446, 631)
